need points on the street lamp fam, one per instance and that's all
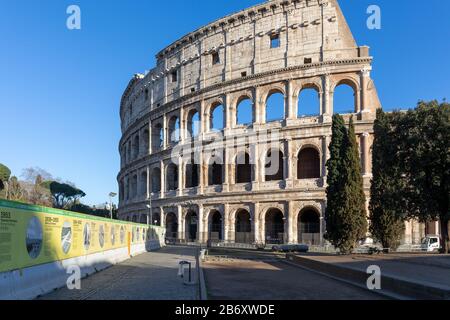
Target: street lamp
(111, 195)
(149, 206)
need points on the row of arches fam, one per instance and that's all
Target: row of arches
(308, 167)
(309, 104)
(308, 227)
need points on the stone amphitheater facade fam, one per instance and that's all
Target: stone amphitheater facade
(206, 183)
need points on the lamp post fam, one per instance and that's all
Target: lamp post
(111, 195)
(149, 206)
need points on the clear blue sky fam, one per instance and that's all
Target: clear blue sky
(60, 90)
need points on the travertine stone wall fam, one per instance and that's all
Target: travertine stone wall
(221, 64)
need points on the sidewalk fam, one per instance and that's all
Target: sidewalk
(149, 276)
(406, 275)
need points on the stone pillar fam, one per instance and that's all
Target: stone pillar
(202, 173)
(163, 179)
(290, 104)
(327, 100)
(181, 234)
(366, 153)
(201, 222)
(180, 176)
(165, 132)
(290, 214)
(182, 126)
(256, 224)
(322, 229)
(259, 112)
(325, 157)
(365, 77)
(257, 167)
(162, 217)
(148, 194)
(150, 146)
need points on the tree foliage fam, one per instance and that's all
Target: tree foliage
(5, 174)
(63, 194)
(386, 204)
(412, 170)
(346, 213)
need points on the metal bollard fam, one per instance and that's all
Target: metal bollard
(182, 267)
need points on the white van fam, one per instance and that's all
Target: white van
(431, 243)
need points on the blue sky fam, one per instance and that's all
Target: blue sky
(60, 89)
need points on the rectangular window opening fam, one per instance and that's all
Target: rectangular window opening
(215, 58)
(174, 76)
(308, 60)
(275, 41)
(244, 74)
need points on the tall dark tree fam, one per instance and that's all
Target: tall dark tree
(387, 206)
(426, 163)
(354, 222)
(5, 174)
(335, 166)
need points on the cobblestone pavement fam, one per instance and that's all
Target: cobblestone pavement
(149, 276)
(269, 279)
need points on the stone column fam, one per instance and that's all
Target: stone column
(259, 114)
(148, 195)
(325, 157)
(290, 107)
(365, 77)
(165, 132)
(226, 223)
(150, 146)
(181, 234)
(227, 112)
(201, 221)
(322, 229)
(201, 166)
(182, 126)
(257, 167)
(162, 217)
(365, 153)
(327, 100)
(163, 179)
(290, 214)
(180, 176)
(256, 224)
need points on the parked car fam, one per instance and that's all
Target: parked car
(290, 248)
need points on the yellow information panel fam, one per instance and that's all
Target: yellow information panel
(32, 235)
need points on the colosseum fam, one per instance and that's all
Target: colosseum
(217, 143)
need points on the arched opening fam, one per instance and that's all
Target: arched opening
(308, 226)
(174, 130)
(217, 118)
(215, 170)
(145, 142)
(275, 107)
(308, 164)
(134, 218)
(193, 124)
(192, 173)
(136, 147)
(215, 227)
(191, 226)
(243, 227)
(244, 112)
(172, 177)
(156, 219)
(157, 137)
(156, 180)
(274, 224)
(274, 168)
(308, 103)
(344, 99)
(243, 168)
(171, 226)
(143, 184)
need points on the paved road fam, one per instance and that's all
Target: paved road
(269, 279)
(149, 276)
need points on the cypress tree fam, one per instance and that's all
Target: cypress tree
(346, 209)
(386, 218)
(354, 224)
(334, 180)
